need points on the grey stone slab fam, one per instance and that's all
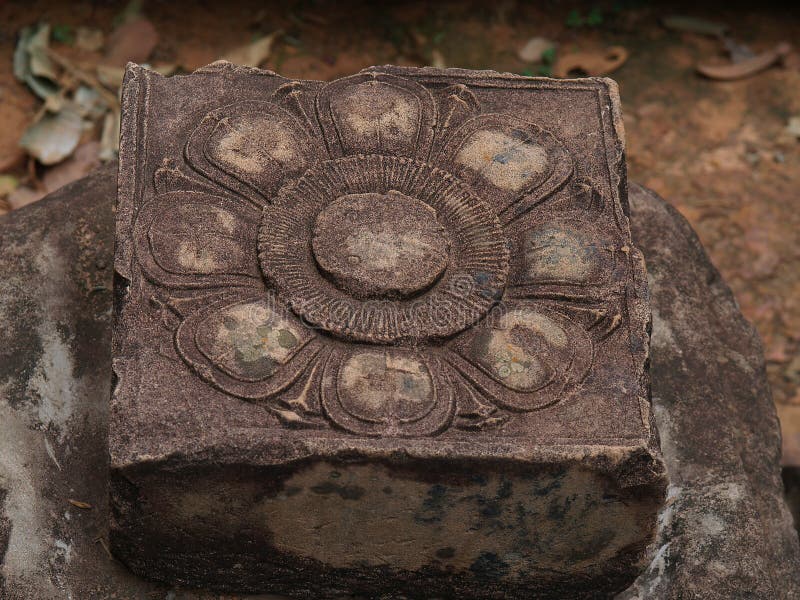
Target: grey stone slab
(725, 533)
(394, 324)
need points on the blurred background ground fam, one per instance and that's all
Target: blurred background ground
(726, 153)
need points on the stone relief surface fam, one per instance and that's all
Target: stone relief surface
(392, 255)
(406, 299)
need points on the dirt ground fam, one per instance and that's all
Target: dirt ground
(720, 151)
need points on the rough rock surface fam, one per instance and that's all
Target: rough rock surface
(411, 318)
(725, 533)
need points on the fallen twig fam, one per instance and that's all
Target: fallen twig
(745, 68)
(86, 78)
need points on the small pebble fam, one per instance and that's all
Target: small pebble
(533, 50)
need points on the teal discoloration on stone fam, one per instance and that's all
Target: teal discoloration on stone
(559, 509)
(601, 541)
(552, 484)
(489, 566)
(292, 490)
(505, 489)
(433, 506)
(480, 479)
(445, 553)
(286, 339)
(346, 492)
(566, 254)
(250, 340)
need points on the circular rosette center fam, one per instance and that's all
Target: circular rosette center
(383, 249)
(380, 245)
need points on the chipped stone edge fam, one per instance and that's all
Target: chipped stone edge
(612, 459)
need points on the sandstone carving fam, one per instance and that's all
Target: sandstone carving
(355, 253)
(430, 264)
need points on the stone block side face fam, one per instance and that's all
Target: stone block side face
(391, 276)
(374, 528)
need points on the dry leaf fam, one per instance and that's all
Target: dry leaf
(40, 63)
(745, 68)
(694, 25)
(593, 64)
(22, 196)
(87, 38)
(437, 60)
(738, 52)
(32, 65)
(109, 139)
(80, 504)
(89, 103)
(132, 41)
(533, 50)
(254, 54)
(54, 137)
(85, 158)
(8, 183)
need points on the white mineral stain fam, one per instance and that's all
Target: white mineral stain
(712, 525)
(250, 144)
(194, 258)
(250, 340)
(563, 254)
(51, 382)
(517, 367)
(381, 386)
(30, 537)
(226, 220)
(389, 251)
(378, 111)
(63, 550)
(507, 162)
(662, 337)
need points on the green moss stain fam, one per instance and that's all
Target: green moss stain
(252, 340)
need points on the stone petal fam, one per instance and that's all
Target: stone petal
(456, 104)
(248, 345)
(507, 161)
(176, 247)
(530, 350)
(375, 113)
(384, 391)
(567, 250)
(251, 148)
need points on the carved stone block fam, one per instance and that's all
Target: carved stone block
(386, 335)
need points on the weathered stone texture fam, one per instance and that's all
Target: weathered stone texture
(725, 533)
(394, 324)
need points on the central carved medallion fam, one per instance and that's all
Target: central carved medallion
(400, 250)
(381, 246)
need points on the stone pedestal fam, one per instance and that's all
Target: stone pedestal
(385, 335)
(724, 532)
